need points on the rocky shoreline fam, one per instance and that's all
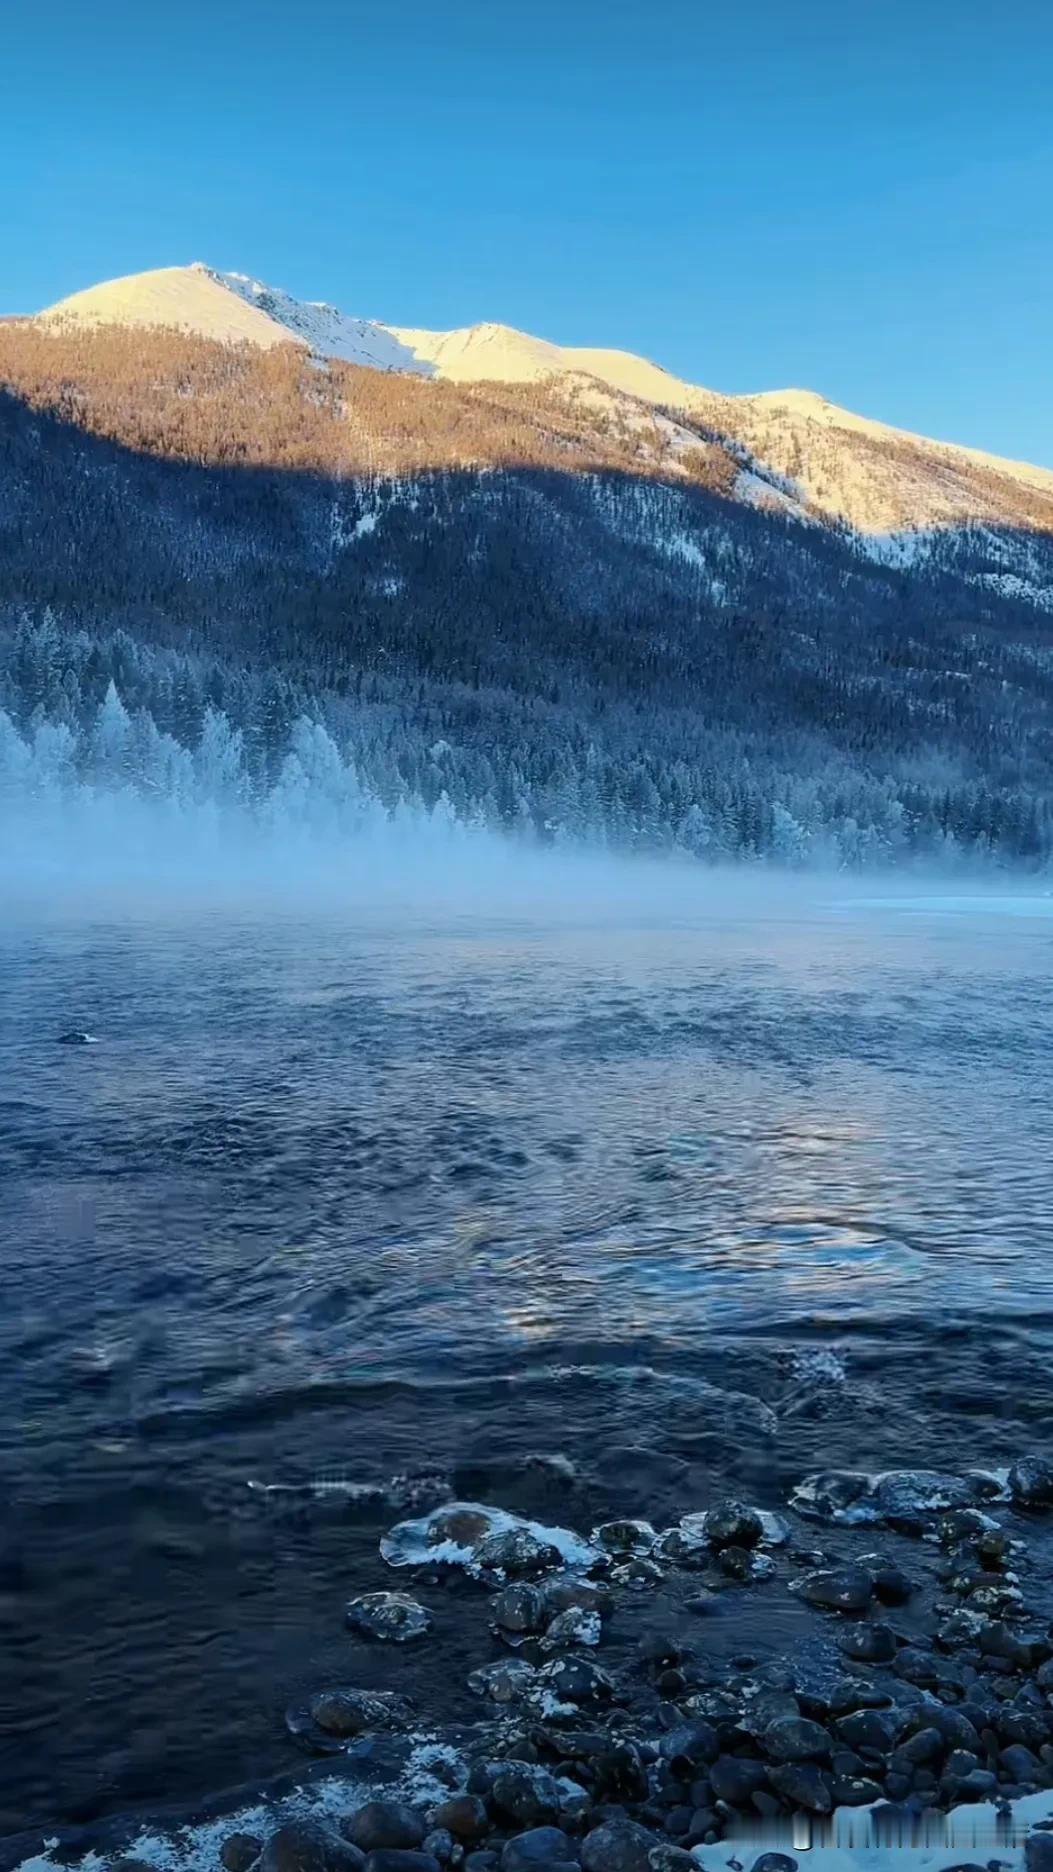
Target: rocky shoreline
(923, 1689)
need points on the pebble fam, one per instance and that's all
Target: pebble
(540, 1846)
(464, 1815)
(308, 1846)
(735, 1779)
(525, 1793)
(804, 1783)
(619, 1846)
(690, 1746)
(576, 1680)
(521, 1608)
(400, 1859)
(796, 1739)
(385, 1824)
(844, 1589)
(868, 1644)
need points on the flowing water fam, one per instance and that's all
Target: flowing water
(693, 1203)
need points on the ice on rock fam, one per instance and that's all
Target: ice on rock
(854, 1498)
(488, 1543)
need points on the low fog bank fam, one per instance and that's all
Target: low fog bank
(95, 851)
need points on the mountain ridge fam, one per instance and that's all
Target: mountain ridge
(798, 450)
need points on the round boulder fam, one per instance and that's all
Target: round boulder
(385, 1825)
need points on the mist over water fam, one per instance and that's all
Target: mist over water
(421, 1149)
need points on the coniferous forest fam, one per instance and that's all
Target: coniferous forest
(248, 579)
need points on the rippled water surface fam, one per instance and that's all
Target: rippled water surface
(342, 1199)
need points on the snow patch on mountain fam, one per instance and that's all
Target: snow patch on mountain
(325, 329)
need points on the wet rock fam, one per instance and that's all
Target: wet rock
(441, 1845)
(1031, 1482)
(544, 1846)
(484, 1861)
(525, 1793)
(509, 1682)
(1038, 1852)
(463, 1815)
(796, 1739)
(625, 1537)
(521, 1608)
(352, 1712)
(682, 1547)
(868, 1644)
(730, 1524)
(832, 1495)
(572, 1627)
(774, 1862)
(920, 1667)
(391, 1618)
(851, 1693)
(1023, 1652)
(891, 1585)
(761, 1709)
(735, 1779)
(855, 1791)
(666, 1858)
(924, 1745)
(575, 1680)
(1030, 1728)
(239, 1851)
(980, 1784)
(400, 1859)
(620, 1771)
(906, 1498)
(691, 1746)
(960, 1525)
(1021, 1763)
(309, 1846)
(841, 1589)
(956, 1728)
(77, 1037)
(517, 1551)
(569, 1590)
(875, 1729)
(803, 1783)
(385, 1824)
(619, 1846)
(638, 1572)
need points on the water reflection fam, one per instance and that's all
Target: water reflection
(305, 1153)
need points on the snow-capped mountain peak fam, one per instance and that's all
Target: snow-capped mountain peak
(233, 308)
(796, 449)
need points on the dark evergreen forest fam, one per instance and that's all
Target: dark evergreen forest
(221, 573)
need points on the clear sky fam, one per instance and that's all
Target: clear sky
(851, 195)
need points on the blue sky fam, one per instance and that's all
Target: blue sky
(854, 197)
